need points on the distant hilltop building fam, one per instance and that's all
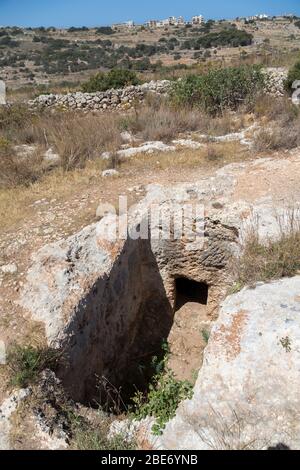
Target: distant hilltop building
(262, 16)
(126, 25)
(171, 21)
(174, 21)
(198, 19)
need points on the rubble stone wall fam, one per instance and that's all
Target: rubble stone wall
(125, 98)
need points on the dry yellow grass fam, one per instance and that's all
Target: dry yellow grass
(270, 259)
(16, 203)
(212, 154)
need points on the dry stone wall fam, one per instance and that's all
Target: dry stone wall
(125, 98)
(122, 98)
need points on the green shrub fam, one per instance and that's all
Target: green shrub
(228, 37)
(116, 78)
(164, 395)
(26, 362)
(219, 89)
(294, 74)
(105, 30)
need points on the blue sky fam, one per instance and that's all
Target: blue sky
(101, 12)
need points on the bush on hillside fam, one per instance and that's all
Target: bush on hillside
(117, 78)
(220, 89)
(294, 74)
(105, 30)
(227, 38)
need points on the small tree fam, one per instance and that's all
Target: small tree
(294, 74)
(116, 78)
(219, 89)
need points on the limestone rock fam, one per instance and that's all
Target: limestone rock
(2, 353)
(109, 173)
(7, 408)
(247, 392)
(147, 147)
(9, 268)
(2, 93)
(51, 157)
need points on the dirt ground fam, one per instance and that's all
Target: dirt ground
(188, 339)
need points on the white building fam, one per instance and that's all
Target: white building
(126, 25)
(198, 19)
(263, 17)
(257, 17)
(151, 23)
(171, 21)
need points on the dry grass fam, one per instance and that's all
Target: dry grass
(228, 122)
(233, 432)
(275, 109)
(159, 121)
(16, 170)
(281, 123)
(16, 203)
(80, 138)
(76, 138)
(277, 137)
(272, 259)
(213, 154)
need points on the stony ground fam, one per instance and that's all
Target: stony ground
(59, 206)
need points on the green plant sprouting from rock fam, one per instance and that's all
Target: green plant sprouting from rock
(164, 395)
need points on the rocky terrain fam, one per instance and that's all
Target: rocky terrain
(97, 300)
(149, 264)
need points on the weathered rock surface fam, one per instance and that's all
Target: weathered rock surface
(247, 393)
(275, 80)
(7, 409)
(109, 173)
(9, 268)
(2, 93)
(107, 302)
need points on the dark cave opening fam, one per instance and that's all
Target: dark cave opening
(188, 290)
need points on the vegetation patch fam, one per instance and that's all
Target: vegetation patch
(164, 395)
(230, 37)
(86, 436)
(27, 362)
(294, 75)
(117, 78)
(273, 259)
(220, 89)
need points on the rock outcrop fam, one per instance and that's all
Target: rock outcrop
(108, 301)
(275, 80)
(247, 393)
